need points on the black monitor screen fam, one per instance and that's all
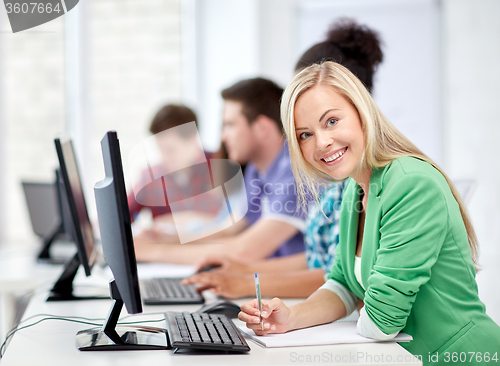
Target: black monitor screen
(118, 249)
(82, 229)
(114, 224)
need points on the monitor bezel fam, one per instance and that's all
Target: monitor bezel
(86, 261)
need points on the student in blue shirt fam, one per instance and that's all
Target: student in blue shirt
(322, 229)
(270, 185)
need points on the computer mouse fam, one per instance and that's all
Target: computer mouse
(228, 308)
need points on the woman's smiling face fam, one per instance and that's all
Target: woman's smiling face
(329, 132)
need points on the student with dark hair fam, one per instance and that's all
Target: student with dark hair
(301, 274)
(269, 184)
(258, 96)
(183, 171)
(273, 225)
(172, 115)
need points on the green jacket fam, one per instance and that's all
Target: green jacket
(416, 263)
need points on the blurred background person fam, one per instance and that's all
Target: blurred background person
(180, 176)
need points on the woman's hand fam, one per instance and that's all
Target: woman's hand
(275, 315)
(224, 265)
(224, 284)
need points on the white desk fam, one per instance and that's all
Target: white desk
(20, 274)
(53, 343)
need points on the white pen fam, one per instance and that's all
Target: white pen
(259, 300)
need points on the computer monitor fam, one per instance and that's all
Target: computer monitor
(80, 226)
(48, 218)
(41, 199)
(63, 205)
(118, 248)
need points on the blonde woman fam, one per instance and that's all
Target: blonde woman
(407, 248)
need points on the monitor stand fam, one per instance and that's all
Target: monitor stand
(44, 255)
(112, 338)
(63, 288)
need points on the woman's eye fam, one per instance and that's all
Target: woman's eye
(331, 122)
(304, 135)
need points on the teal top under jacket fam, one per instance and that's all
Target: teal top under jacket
(416, 263)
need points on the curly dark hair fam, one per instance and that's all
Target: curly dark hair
(352, 45)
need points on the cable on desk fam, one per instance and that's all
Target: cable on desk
(73, 319)
(14, 331)
(87, 319)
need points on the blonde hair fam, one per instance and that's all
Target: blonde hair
(383, 142)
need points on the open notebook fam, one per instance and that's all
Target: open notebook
(332, 333)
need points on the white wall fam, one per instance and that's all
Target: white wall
(227, 51)
(278, 39)
(3, 188)
(471, 71)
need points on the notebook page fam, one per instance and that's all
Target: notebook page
(340, 332)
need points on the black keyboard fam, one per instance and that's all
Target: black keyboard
(204, 331)
(169, 291)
